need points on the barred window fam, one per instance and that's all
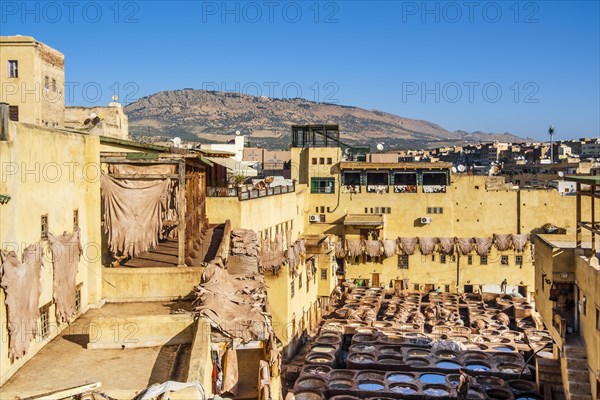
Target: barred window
(483, 260)
(402, 261)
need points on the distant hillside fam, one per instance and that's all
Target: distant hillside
(208, 116)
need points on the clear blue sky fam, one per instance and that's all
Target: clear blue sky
(493, 66)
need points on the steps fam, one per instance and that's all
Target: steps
(575, 373)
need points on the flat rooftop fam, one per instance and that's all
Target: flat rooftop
(66, 362)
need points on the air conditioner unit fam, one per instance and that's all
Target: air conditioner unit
(313, 218)
(425, 220)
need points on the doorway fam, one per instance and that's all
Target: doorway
(375, 280)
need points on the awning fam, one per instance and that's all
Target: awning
(364, 219)
(236, 167)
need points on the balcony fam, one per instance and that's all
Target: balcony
(378, 188)
(405, 188)
(434, 189)
(242, 193)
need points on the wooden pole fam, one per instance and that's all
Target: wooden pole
(181, 205)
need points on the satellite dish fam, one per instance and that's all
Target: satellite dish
(454, 170)
(115, 98)
(237, 133)
(379, 146)
(176, 142)
(461, 168)
(347, 151)
(93, 115)
(561, 174)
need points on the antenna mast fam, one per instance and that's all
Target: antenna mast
(551, 133)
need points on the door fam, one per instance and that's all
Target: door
(375, 280)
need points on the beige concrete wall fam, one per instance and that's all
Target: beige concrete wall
(140, 331)
(149, 284)
(588, 281)
(53, 173)
(262, 214)
(37, 103)
(113, 121)
(469, 210)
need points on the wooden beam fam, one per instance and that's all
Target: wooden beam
(117, 160)
(181, 200)
(59, 394)
(144, 176)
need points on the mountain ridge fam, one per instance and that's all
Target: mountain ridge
(211, 116)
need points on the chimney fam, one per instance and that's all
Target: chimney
(4, 118)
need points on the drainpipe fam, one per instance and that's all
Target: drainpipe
(4, 118)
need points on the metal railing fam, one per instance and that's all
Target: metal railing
(247, 194)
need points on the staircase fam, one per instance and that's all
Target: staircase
(575, 373)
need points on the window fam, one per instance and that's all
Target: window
(329, 161)
(292, 288)
(504, 260)
(323, 274)
(46, 82)
(405, 178)
(44, 226)
(402, 261)
(53, 85)
(300, 280)
(322, 209)
(75, 220)
(447, 288)
(13, 69)
(598, 319)
(443, 258)
(482, 260)
(470, 260)
(519, 260)
(468, 289)
(417, 287)
(45, 321)
(435, 210)
(377, 178)
(433, 258)
(13, 113)
(352, 178)
(434, 178)
(78, 298)
(322, 185)
(321, 160)
(314, 161)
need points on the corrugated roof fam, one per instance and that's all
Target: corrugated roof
(587, 179)
(401, 165)
(364, 219)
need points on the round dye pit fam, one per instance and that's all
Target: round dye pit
(505, 349)
(403, 389)
(436, 391)
(321, 348)
(477, 367)
(499, 394)
(361, 358)
(432, 378)
(363, 348)
(370, 386)
(446, 354)
(307, 395)
(340, 384)
(319, 358)
(400, 378)
(510, 368)
(447, 365)
(527, 397)
(390, 360)
(417, 362)
(417, 353)
(310, 383)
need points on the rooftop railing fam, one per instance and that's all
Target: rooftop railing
(243, 193)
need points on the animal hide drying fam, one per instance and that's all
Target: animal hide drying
(447, 245)
(21, 282)
(408, 245)
(502, 241)
(288, 238)
(236, 306)
(389, 247)
(483, 246)
(426, 245)
(465, 245)
(339, 249)
(134, 213)
(519, 241)
(354, 248)
(66, 251)
(230, 369)
(373, 248)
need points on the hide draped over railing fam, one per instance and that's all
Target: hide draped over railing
(23, 287)
(66, 252)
